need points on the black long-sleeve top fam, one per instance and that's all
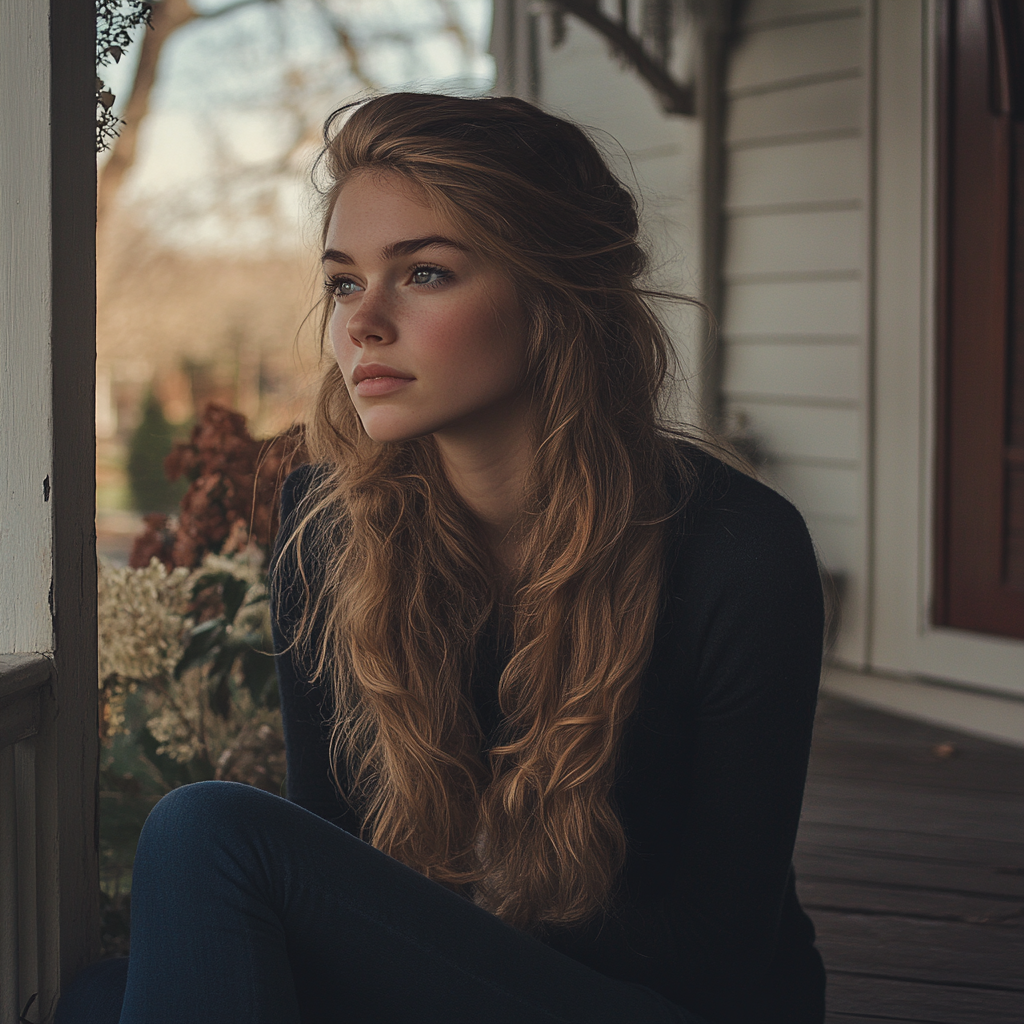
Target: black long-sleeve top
(711, 771)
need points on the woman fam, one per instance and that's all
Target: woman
(555, 663)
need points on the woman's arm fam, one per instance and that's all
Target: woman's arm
(748, 604)
(713, 768)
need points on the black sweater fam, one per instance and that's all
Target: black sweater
(712, 767)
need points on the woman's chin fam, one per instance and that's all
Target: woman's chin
(382, 433)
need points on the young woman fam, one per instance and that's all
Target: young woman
(555, 664)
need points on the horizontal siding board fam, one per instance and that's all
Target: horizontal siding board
(820, 490)
(801, 432)
(663, 178)
(825, 171)
(759, 11)
(794, 243)
(838, 541)
(773, 55)
(799, 307)
(805, 371)
(822, 107)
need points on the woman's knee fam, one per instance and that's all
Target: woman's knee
(193, 815)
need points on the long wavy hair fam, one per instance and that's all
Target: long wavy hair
(397, 588)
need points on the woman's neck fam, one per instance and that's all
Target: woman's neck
(489, 470)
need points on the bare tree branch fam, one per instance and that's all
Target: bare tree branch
(453, 26)
(675, 97)
(231, 8)
(171, 15)
(168, 17)
(345, 41)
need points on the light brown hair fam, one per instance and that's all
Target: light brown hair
(396, 584)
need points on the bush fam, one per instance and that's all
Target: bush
(187, 683)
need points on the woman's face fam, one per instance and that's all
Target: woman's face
(430, 338)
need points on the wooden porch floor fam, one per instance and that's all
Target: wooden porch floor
(910, 860)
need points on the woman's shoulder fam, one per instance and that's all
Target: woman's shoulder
(716, 491)
(732, 524)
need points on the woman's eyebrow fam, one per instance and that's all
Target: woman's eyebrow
(411, 245)
(406, 247)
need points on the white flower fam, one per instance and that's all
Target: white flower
(141, 620)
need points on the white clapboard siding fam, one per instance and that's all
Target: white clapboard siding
(801, 308)
(824, 172)
(765, 12)
(822, 491)
(817, 373)
(839, 541)
(793, 51)
(794, 271)
(823, 109)
(805, 242)
(656, 154)
(803, 431)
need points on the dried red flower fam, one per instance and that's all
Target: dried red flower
(233, 495)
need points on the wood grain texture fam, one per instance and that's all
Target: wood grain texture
(887, 999)
(25, 457)
(916, 892)
(918, 809)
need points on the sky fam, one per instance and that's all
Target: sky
(235, 92)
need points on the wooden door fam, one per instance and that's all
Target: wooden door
(980, 514)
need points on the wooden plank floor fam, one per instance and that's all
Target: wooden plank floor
(910, 860)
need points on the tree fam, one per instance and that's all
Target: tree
(150, 444)
(337, 21)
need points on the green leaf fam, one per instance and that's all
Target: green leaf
(203, 640)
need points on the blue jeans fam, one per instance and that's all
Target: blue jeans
(248, 908)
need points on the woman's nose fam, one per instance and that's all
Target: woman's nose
(371, 322)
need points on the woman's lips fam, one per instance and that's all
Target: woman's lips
(373, 386)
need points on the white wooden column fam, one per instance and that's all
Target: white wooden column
(48, 736)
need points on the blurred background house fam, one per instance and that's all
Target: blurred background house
(844, 200)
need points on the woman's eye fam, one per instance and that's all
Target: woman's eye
(341, 287)
(429, 275)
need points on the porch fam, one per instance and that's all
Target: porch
(910, 860)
